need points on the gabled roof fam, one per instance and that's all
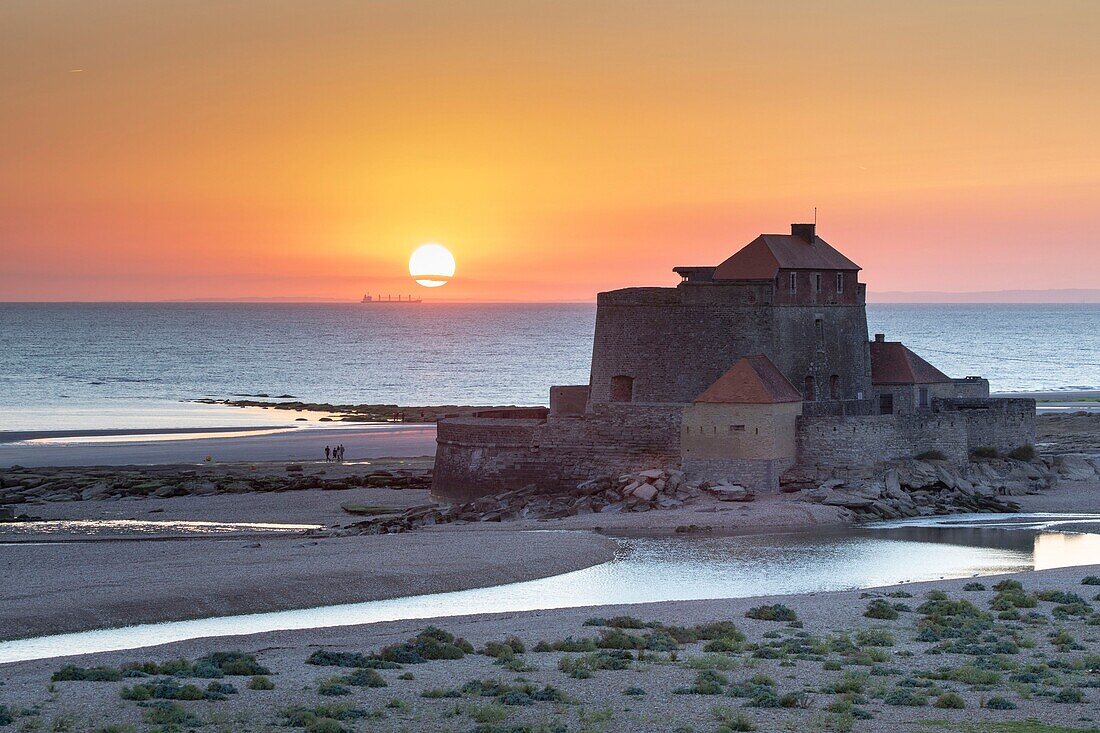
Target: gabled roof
(763, 257)
(752, 380)
(893, 363)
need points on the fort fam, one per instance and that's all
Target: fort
(741, 372)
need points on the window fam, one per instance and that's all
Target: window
(622, 388)
(819, 328)
(840, 282)
(794, 282)
(924, 397)
(808, 392)
(834, 387)
(737, 428)
(886, 404)
(817, 282)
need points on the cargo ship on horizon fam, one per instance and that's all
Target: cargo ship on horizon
(370, 299)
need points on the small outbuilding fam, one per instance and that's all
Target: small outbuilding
(743, 427)
(903, 382)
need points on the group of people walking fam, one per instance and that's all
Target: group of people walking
(334, 453)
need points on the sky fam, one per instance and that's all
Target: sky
(236, 148)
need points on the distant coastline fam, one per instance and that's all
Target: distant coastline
(1065, 296)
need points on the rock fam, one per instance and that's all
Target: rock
(1075, 467)
(294, 467)
(731, 492)
(654, 473)
(849, 501)
(831, 484)
(645, 492)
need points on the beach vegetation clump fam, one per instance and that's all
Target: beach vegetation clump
(621, 622)
(731, 720)
(332, 687)
(113, 728)
(568, 644)
(1024, 452)
(431, 643)
(905, 696)
(365, 677)
(232, 663)
(974, 586)
(874, 637)
(166, 688)
(326, 658)
(261, 682)
(582, 666)
(773, 612)
(506, 649)
(1000, 703)
(163, 712)
(219, 690)
(1069, 695)
(634, 691)
(931, 455)
(1090, 580)
(70, 672)
(438, 693)
(967, 674)
(985, 451)
(880, 609)
(707, 682)
(950, 701)
(1059, 596)
(300, 716)
(7, 715)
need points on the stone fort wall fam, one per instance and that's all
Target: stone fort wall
(675, 342)
(479, 456)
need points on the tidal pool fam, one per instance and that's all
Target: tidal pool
(681, 567)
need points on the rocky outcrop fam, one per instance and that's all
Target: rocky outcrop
(641, 491)
(919, 488)
(37, 485)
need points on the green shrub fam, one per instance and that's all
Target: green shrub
(905, 696)
(169, 713)
(634, 691)
(332, 687)
(1000, 703)
(507, 648)
(1024, 452)
(707, 682)
(732, 720)
(931, 455)
(71, 672)
(365, 678)
(985, 451)
(880, 609)
(874, 637)
(774, 612)
(431, 643)
(260, 682)
(326, 658)
(1069, 695)
(951, 701)
(974, 586)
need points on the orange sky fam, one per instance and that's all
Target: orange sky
(216, 148)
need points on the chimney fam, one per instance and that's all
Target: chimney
(804, 231)
(880, 338)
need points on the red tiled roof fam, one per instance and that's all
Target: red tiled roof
(753, 380)
(763, 257)
(893, 363)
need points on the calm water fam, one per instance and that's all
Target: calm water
(648, 569)
(129, 365)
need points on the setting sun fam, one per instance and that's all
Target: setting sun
(432, 265)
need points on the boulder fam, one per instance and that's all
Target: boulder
(645, 492)
(1075, 467)
(653, 473)
(731, 492)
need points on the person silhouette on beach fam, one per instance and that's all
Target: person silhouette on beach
(327, 453)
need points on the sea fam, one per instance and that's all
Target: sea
(69, 366)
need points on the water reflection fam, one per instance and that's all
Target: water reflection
(648, 569)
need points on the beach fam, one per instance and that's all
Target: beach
(268, 536)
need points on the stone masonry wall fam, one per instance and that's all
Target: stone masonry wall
(475, 456)
(858, 441)
(1001, 423)
(762, 476)
(675, 342)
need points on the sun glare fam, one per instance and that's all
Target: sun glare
(432, 265)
